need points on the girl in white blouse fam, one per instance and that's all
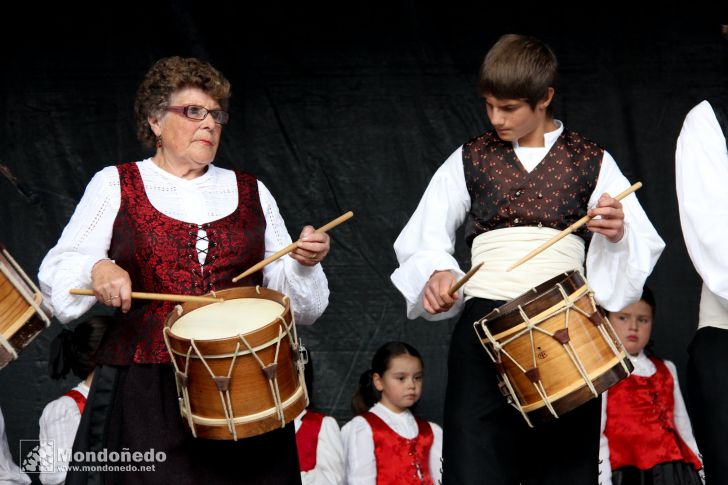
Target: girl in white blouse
(385, 443)
(646, 433)
(71, 351)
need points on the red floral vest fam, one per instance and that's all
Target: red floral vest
(159, 254)
(399, 460)
(503, 194)
(307, 440)
(641, 422)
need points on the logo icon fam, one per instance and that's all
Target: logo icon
(38, 456)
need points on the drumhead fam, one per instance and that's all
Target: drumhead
(227, 319)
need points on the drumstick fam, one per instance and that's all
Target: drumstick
(464, 279)
(155, 296)
(569, 230)
(291, 247)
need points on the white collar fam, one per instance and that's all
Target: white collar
(149, 163)
(549, 138)
(643, 366)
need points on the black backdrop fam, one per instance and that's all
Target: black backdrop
(338, 109)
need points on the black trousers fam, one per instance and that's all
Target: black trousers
(707, 371)
(487, 441)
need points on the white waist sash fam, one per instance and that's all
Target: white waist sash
(500, 248)
(712, 313)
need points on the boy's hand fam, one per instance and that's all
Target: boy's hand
(607, 218)
(435, 298)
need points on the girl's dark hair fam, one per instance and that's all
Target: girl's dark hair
(74, 350)
(649, 298)
(366, 395)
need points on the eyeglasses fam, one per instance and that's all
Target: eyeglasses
(199, 113)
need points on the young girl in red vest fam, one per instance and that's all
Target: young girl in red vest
(70, 351)
(318, 440)
(646, 432)
(385, 443)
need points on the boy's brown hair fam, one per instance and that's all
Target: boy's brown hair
(518, 67)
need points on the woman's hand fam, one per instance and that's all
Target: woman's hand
(111, 285)
(312, 247)
(611, 222)
(435, 298)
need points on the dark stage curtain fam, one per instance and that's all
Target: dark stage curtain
(338, 110)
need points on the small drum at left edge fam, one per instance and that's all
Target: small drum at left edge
(21, 316)
(238, 367)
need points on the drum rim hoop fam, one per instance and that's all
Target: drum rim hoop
(533, 301)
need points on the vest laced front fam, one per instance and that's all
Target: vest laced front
(641, 422)
(161, 256)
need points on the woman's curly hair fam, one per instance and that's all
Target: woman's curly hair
(167, 76)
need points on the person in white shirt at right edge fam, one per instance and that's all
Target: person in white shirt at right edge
(701, 176)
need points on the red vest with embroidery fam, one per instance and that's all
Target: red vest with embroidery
(78, 397)
(504, 194)
(307, 440)
(400, 460)
(641, 422)
(159, 254)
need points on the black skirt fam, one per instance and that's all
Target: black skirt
(671, 473)
(135, 409)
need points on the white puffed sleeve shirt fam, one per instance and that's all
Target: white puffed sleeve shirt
(701, 175)
(329, 468)
(59, 422)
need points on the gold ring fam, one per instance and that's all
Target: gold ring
(314, 256)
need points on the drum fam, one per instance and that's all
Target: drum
(238, 367)
(553, 349)
(21, 315)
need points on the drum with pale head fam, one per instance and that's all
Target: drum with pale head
(238, 368)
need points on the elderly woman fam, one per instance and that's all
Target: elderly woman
(175, 223)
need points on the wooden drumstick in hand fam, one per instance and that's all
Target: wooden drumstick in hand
(568, 230)
(464, 279)
(154, 296)
(291, 247)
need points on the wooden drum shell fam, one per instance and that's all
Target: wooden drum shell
(21, 316)
(253, 405)
(508, 342)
